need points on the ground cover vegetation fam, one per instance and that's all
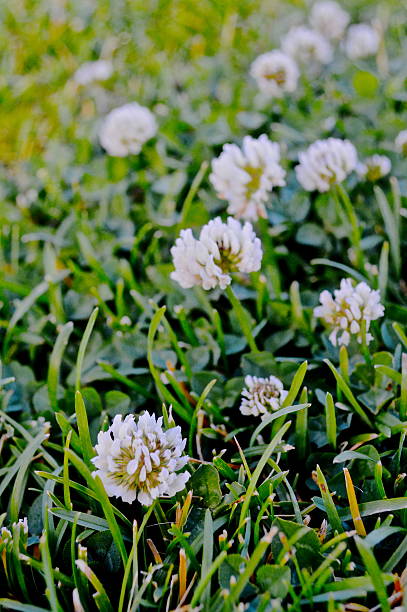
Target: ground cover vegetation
(203, 305)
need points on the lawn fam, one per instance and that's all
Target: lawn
(203, 306)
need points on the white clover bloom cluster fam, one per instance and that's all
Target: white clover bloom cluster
(307, 46)
(325, 163)
(362, 40)
(401, 142)
(347, 309)
(126, 129)
(222, 248)
(244, 177)
(139, 460)
(100, 70)
(330, 19)
(275, 72)
(374, 168)
(261, 396)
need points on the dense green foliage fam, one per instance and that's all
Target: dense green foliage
(269, 524)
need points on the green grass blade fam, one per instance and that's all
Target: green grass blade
(82, 518)
(10, 604)
(48, 573)
(348, 393)
(296, 384)
(96, 484)
(83, 428)
(330, 416)
(391, 226)
(55, 363)
(334, 264)
(163, 391)
(100, 597)
(257, 472)
(205, 579)
(82, 348)
(186, 207)
(23, 460)
(398, 555)
(22, 308)
(403, 392)
(384, 270)
(243, 318)
(374, 572)
(207, 556)
(253, 562)
(332, 513)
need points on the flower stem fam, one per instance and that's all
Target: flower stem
(191, 194)
(353, 220)
(364, 348)
(243, 319)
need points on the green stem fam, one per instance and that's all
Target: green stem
(353, 220)
(191, 194)
(272, 269)
(364, 349)
(243, 319)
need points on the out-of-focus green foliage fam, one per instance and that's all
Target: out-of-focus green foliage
(265, 527)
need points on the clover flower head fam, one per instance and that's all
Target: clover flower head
(325, 163)
(275, 72)
(347, 309)
(362, 41)
(221, 249)
(126, 129)
(307, 46)
(140, 460)
(401, 142)
(261, 396)
(329, 18)
(194, 266)
(245, 176)
(374, 168)
(100, 70)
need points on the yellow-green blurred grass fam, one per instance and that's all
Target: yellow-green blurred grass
(44, 42)
(153, 43)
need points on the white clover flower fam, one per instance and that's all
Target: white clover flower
(194, 265)
(100, 70)
(347, 309)
(139, 460)
(401, 142)
(222, 248)
(126, 129)
(330, 19)
(275, 73)
(262, 395)
(325, 163)
(307, 46)
(361, 41)
(374, 168)
(244, 177)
